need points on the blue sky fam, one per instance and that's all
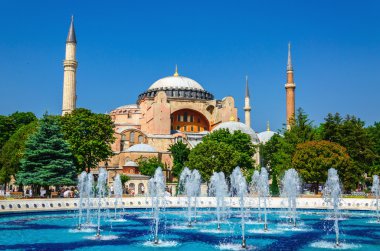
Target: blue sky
(124, 46)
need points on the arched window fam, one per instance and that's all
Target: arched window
(141, 139)
(132, 137)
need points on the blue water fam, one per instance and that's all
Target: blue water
(56, 231)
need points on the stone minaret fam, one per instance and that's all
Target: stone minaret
(290, 87)
(247, 107)
(69, 72)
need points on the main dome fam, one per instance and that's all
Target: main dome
(176, 82)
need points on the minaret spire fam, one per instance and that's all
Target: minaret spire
(247, 106)
(290, 87)
(69, 72)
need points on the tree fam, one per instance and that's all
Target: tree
(374, 134)
(279, 150)
(9, 124)
(274, 189)
(212, 156)
(313, 159)
(149, 166)
(47, 160)
(350, 133)
(90, 136)
(180, 153)
(123, 178)
(13, 151)
(239, 141)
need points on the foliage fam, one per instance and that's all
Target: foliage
(90, 136)
(9, 124)
(47, 159)
(239, 141)
(274, 189)
(180, 153)
(13, 151)
(124, 178)
(149, 166)
(211, 156)
(278, 152)
(313, 159)
(350, 133)
(374, 134)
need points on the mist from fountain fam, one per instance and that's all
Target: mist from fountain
(254, 189)
(239, 188)
(101, 193)
(332, 194)
(189, 184)
(156, 187)
(376, 190)
(82, 193)
(263, 187)
(219, 189)
(291, 189)
(118, 193)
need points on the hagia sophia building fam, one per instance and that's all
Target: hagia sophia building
(174, 108)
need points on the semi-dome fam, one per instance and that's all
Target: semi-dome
(178, 82)
(238, 126)
(142, 148)
(265, 136)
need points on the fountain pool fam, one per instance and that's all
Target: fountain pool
(54, 231)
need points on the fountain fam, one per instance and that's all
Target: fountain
(239, 188)
(254, 188)
(82, 193)
(89, 193)
(219, 189)
(101, 193)
(263, 188)
(376, 190)
(156, 187)
(331, 194)
(189, 183)
(118, 192)
(291, 187)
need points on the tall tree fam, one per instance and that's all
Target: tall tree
(180, 153)
(9, 124)
(47, 160)
(313, 159)
(213, 156)
(90, 136)
(374, 134)
(351, 133)
(13, 151)
(239, 142)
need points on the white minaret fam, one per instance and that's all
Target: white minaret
(69, 72)
(247, 107)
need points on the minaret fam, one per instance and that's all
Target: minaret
(69, 72)
(247, 107)
(290, 87)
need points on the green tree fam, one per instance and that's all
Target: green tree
(350, 133)
(180, 153)
(90, 136)
(212, 156)
(374, 134)
(239, 141)
(13, 151)
(274, 189)
(9, 124)
(313, 159)
(279, 150)
(149, 166)
(124, 178)
(47, 160)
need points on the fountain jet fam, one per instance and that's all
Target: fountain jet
(101, 190)
(331, 194)
(219, 189)
(291, 187)
(263, 186)
(190, 183)
(376, 190)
